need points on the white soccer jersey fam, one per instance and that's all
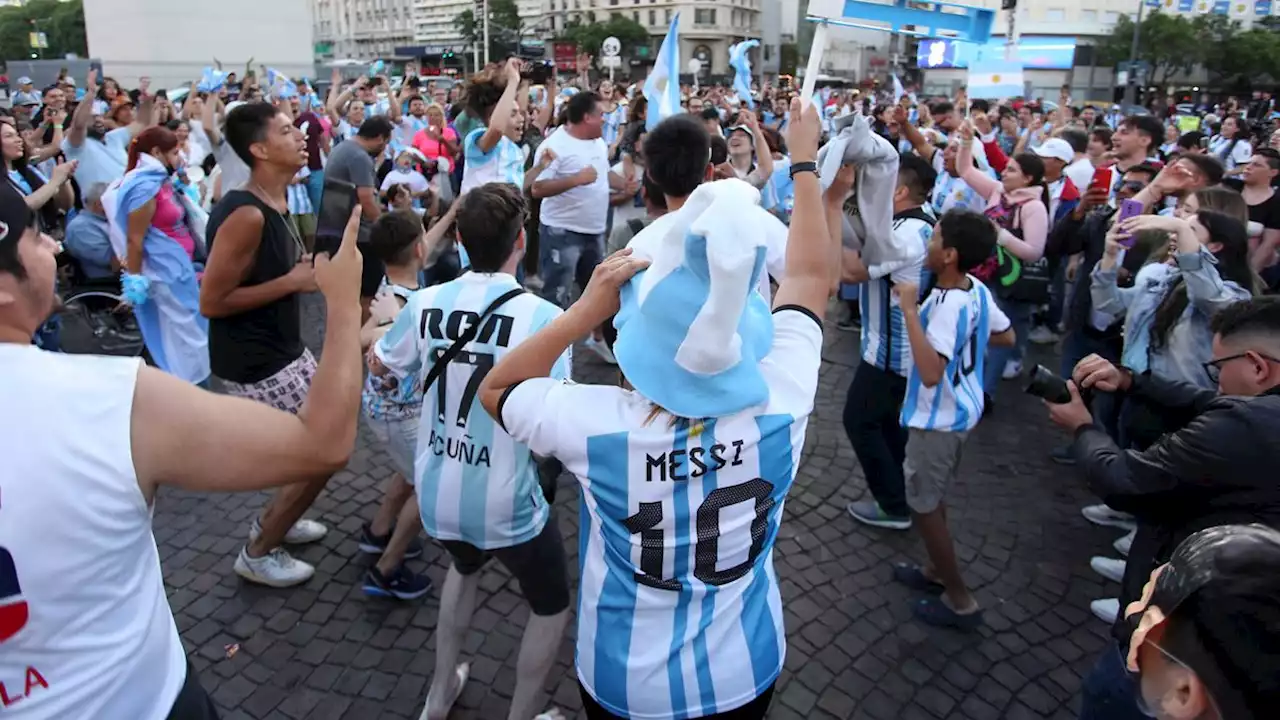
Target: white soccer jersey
(474, 482)
(884, 335)
(958, 324)
(679, 612)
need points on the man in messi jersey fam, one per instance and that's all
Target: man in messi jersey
(685, 474)
(477, 486)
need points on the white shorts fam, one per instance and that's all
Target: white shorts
(400, 437)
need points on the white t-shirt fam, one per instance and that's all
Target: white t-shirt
(584, 209)
(85, 626)
(101, 161)
(679, 612)
(414, 179)
(475, 483)
(1081, 174)
(235, 173)
(958, 325)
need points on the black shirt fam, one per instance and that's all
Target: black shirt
(256, 344)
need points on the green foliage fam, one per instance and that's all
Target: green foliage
(505, 28)
(788, 59)
(1168, 44)
(590, 36)
(1176, 43)
(1230, 54)
(61, 22)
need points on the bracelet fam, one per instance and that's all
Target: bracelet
(807, 166)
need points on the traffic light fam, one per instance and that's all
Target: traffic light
(1008, 4)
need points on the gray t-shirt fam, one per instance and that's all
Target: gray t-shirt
(350, 162)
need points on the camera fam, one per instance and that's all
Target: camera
(1047, 386)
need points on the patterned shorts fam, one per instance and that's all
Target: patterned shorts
(286, 390)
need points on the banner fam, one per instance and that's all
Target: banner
(662, 87)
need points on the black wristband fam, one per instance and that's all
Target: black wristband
(803, 167)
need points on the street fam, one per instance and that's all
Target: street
(324, 650)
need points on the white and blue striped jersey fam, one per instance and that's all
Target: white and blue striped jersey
(402, 135)
(679, 613)
(503, 164)
(475, 483)
(958, 323)
(884, 334)
(612, 125)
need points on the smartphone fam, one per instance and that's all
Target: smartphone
(1204, 143)
(337, 200)
(1128, 209)
(1101, 180)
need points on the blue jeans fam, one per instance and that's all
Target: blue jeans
(560, 253)
(1019, 314)
(315, 187)
(1108, 692)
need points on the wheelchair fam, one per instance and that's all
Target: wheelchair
(94, 318)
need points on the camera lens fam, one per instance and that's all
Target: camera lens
(1046, 385)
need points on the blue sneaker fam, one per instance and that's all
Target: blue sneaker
(401, 585)
(869, 512)
(377, 544)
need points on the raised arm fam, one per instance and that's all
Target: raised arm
(982, 183)
(57, 189)
(764, 157)
(918, 141)
(271, 447)
(209, 120)
(146, 109)
(84, 112)
(500, 118)
(809, 253)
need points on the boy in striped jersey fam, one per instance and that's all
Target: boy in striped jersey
(477, 486)
(949, 335)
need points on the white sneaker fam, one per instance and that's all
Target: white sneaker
(304, 531)
(1043, 335)
(1106, 610)
(277, 569)
(1125, 544)
(1103, 515)
(1109, 568)
(599, 347)
(552, 714)
(1012, 370)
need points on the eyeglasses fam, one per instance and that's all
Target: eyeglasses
(1213, 368)
(1136, 186)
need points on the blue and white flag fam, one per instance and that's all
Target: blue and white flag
(662, 87)
(898, 90)
(211, 81)
(281, 84)
(741, 65)
(1185, 5)
(1262, 8)
(995, 78)
(1153, 3)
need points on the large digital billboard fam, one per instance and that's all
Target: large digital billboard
(1034, 52)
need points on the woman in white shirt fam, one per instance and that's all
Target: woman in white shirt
(1232, 145)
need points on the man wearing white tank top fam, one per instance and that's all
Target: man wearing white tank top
(85, 627)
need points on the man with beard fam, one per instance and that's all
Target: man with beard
(102, 153)
(256, 272)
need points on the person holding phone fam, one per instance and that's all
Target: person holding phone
(256, 271)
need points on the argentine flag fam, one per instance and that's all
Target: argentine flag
(995, 78)
(662, 87)
(741, 65)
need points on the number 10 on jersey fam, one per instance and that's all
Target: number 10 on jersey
(648, 523)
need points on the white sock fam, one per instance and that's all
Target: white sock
(537, 654)
(457, 603)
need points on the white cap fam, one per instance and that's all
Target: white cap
(1056, 148)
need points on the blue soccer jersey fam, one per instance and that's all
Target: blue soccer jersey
(679, 613)
(475, 483)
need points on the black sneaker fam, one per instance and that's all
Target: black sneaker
(377, 544)
(402, 585)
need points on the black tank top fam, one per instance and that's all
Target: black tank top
(256, 344)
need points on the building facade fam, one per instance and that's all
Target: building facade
(361, 29)
(707, 27)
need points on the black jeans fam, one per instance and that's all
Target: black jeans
(193, 702)
(754, 710)
(871, 419)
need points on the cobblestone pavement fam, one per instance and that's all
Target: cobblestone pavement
(323, 650)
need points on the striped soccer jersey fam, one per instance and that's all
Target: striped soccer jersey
(679, 614)
(475, 483)
(884, 335)
(503, 164)
(958, 324)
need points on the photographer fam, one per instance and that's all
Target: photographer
(1209, 472)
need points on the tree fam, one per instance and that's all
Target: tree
(505, 28)
(1230, 55)
(61, 22)
(1169, 45)
(590, 36)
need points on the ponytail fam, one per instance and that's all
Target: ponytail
(156, 136)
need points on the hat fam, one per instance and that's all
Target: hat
(1056, 148)
(692, 328)
(68, 80)
(15, 216)
(28, 99)
(24, 80)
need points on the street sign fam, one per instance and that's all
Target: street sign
(611, 47)
(611, 62)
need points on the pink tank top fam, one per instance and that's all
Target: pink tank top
(169, 219)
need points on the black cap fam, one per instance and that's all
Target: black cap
(15, 216)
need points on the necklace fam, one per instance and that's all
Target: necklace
(300, 249)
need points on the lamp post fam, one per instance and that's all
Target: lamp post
(1131, 87)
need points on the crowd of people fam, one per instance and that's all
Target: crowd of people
(465, 238)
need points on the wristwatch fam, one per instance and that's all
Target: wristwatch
(800, 167)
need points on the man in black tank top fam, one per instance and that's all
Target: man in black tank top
(257, 268)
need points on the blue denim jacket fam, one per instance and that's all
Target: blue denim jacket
(1190, 342)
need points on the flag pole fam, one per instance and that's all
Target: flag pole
(815, 61)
